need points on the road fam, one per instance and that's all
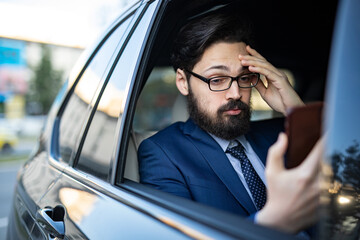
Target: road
(8, 173)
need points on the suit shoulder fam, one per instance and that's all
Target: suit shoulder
(175, 130)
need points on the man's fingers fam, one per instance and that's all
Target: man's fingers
(270, 75)
(248, 60)
(275, 157)
(257, 63)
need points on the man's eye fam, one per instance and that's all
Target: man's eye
(217, 81)
(245, 78)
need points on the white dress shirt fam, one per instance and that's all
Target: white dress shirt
(250, 153)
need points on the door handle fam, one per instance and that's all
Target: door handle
(52, 220)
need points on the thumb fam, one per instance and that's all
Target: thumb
(275, 157)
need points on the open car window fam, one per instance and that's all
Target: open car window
(156, 102)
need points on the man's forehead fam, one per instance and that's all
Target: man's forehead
(225, 68)
(223, 57)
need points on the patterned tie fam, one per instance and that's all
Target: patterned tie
(255, 184)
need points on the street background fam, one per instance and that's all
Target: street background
(7, 182)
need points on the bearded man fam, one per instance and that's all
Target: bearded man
(218, 156)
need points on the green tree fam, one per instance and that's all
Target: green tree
(44, 85)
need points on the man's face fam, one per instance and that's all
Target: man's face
(225, 114)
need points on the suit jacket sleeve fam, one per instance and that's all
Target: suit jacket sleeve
(158, 171)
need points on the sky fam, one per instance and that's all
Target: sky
(75, 23)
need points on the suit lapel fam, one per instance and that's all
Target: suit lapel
(219, 163)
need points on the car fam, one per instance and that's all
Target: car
(82, 180)
(8, 140)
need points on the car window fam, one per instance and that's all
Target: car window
(79, 105)
(97, 150)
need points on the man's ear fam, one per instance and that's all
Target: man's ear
(181, 82)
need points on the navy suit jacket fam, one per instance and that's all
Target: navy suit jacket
(186, 161)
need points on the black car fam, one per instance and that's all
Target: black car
(82, 180)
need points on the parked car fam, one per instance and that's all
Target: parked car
(82, 181)
(8, 140)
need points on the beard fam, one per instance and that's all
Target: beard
(227, 127)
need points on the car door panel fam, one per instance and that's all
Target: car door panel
(91, 214)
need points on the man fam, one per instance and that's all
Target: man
(218, 157)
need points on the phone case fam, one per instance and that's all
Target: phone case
(303, 128)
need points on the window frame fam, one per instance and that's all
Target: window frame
(78, 71)
(183, 207)
(140, 12)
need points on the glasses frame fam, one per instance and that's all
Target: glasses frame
(207, 80)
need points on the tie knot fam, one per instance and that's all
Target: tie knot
(237, 148)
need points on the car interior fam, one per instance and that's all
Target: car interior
(293, 36)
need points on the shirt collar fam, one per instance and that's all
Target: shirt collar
(224, 144)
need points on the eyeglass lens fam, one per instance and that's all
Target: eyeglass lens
(223, 83)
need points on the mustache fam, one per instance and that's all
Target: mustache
(233, 104)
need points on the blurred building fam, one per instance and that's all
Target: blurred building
(17, 59)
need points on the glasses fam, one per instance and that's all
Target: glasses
(223, 83)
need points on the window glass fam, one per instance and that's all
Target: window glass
(154, 107)
(100, 140)
(78, 108)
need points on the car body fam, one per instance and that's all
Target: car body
(82, 182)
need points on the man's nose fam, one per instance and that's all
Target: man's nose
(233, 92)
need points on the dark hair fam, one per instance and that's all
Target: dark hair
(196, 36)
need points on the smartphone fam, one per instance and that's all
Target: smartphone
(303, 128)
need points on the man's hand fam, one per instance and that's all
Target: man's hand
(279, 94)
(292, 194)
